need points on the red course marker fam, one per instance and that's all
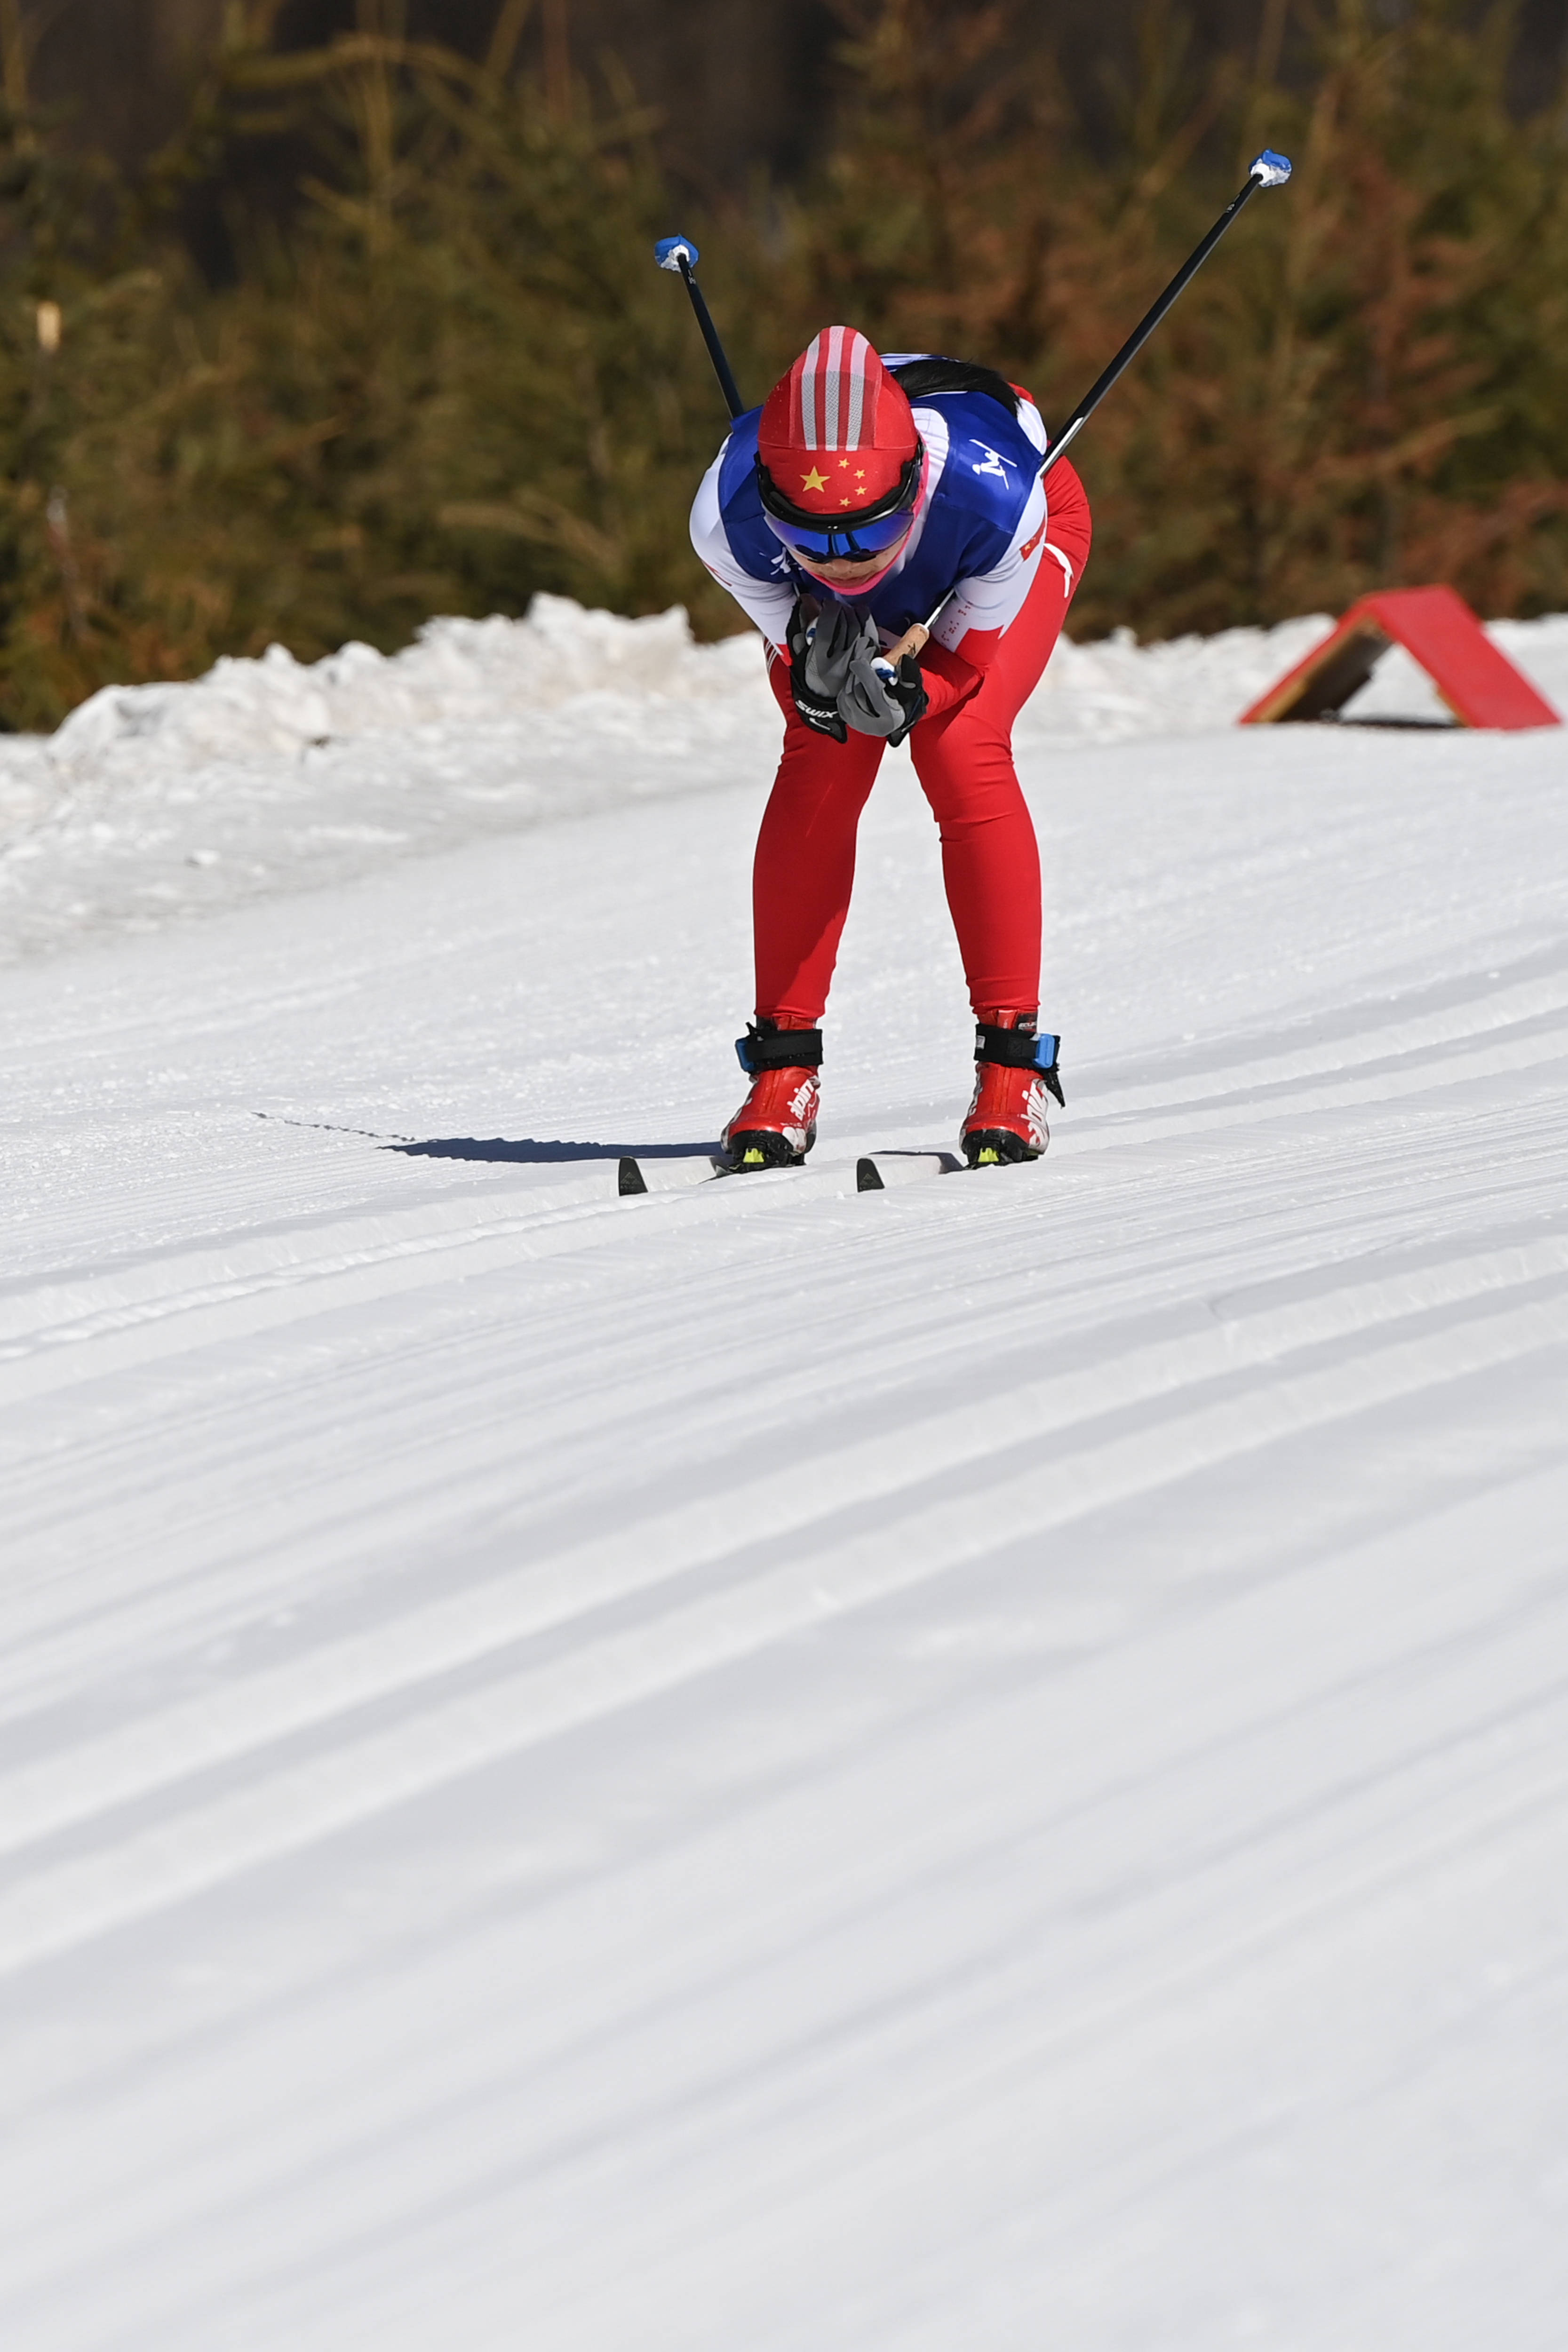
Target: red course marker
(1478, 683)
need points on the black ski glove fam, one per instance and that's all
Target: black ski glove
(877, 700)
(815, 694)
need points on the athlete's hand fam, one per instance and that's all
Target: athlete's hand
(815, 696)
(883, 698)
(909, 690)
(840, 677)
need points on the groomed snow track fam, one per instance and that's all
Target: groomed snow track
(983, 1765)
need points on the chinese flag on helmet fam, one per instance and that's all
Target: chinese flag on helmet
(836, 433)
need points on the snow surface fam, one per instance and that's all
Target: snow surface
(979, 1766)
(157, 801)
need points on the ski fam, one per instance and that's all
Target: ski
(875, 1171)
(631, 1183)
(686, 1175)
(882, 1172)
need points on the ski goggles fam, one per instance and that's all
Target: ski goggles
(824, 540)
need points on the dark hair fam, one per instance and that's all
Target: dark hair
(921, 377)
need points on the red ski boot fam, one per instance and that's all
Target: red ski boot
(775, 1126)
(1015, 1071)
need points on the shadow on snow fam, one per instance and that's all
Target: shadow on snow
(535, 1149)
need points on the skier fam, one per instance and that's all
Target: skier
(866, 492)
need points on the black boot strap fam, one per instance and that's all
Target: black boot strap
(1013, 1048)
(767, 1048)
(1019, 1049)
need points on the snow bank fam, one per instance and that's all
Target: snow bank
(156, 802)
(458, 674)
(152, 803)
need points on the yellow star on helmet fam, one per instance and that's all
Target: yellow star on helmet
(814, 480)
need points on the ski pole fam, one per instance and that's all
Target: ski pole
(1268, 170)
(679, 253)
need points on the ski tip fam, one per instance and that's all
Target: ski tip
(868, 1177)
(630, 1180)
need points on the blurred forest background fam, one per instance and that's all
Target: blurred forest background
(320, 315)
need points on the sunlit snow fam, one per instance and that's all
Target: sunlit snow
(979, 1768)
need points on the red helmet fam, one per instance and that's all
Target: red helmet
(837, 434)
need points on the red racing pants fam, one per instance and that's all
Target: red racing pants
(804, 866)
